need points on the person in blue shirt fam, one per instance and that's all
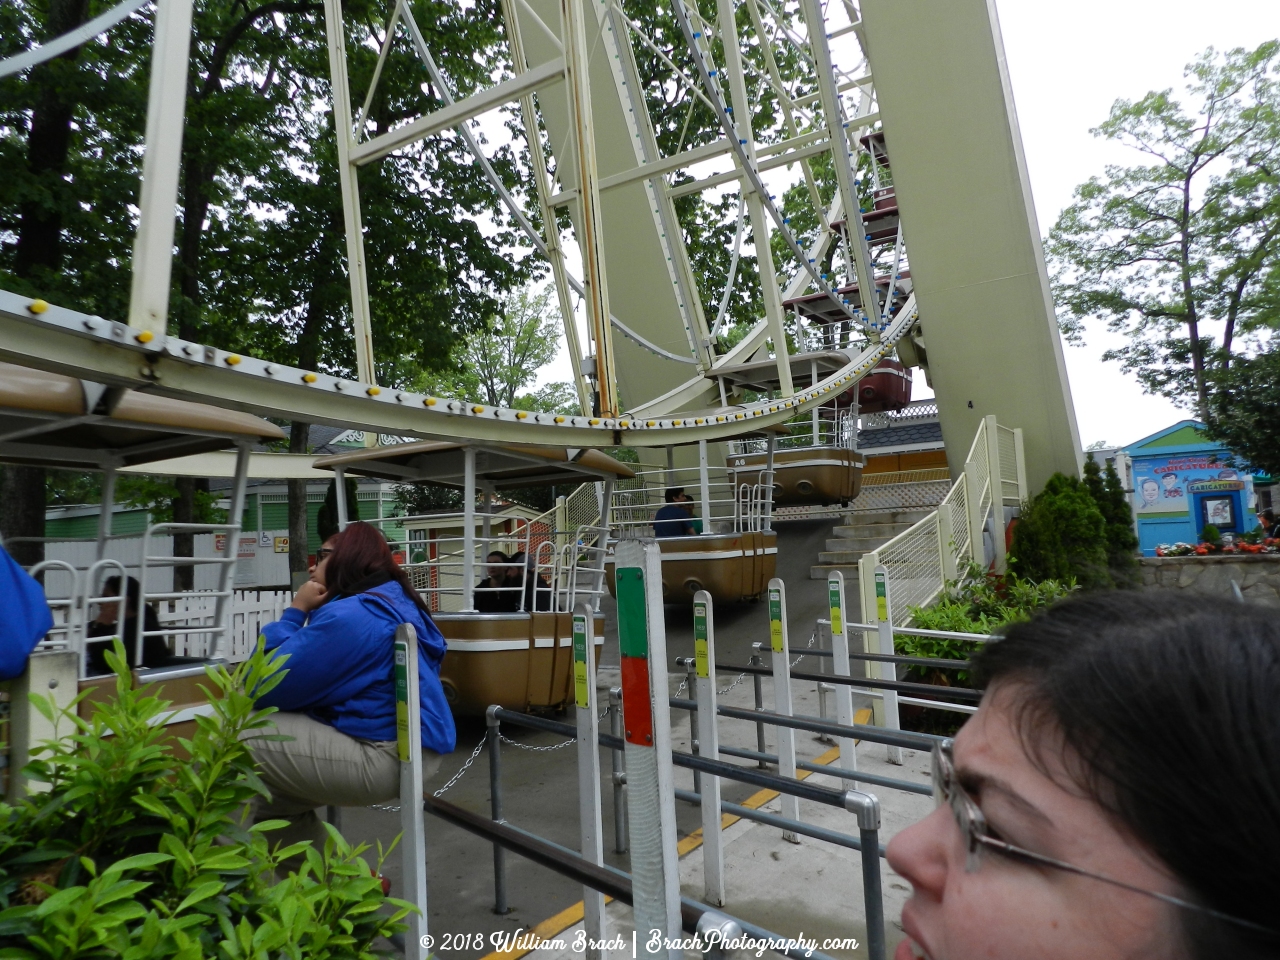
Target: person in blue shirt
(674, 519)
(337, 699)
(26, 616)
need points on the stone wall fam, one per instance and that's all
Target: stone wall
(1257, 574)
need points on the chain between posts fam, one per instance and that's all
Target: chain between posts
(395, 808)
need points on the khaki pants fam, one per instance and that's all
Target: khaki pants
(322, 766)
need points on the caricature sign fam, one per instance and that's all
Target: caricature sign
(1165, 485)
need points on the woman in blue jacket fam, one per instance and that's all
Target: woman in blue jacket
(337, 699)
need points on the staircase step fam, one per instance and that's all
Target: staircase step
(850, 571)
(886, 530)
(908, 517)
(841, 556)
(857, 544)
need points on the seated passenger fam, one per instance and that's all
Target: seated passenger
(337, 699)
(674, 519)
(27, 617)
(1117, 794)
(493, 593)
(155, 650)
(537, 592)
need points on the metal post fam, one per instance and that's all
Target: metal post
(619, 778)
(691, 684)
(704, 487)
(973, 509)
(840, 664)
(350, 187)
(642, 640)
(1020, 456)
(469, 530)
(867, 808)
(767, 520)
(741, 113)
(884, 628)
(106, 510)
(782, 696)
(592, 830)
(340, 496)
(52, 674)
(226, 571)
(161, 160)
(671, 466)
(413, 850)
(704, 680)
(946, 541)
(573, 15)
(757, 683)
(996, 479)
(867, 564)
(494, 737)
(486, 521)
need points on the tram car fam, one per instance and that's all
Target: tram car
(58, 422)
(509, 634)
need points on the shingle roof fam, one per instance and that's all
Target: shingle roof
(904, 435)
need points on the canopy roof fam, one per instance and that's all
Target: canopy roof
(443, 462)
(51, 420)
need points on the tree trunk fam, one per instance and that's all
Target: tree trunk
(298, 565)
(184, 511)
(22, 503)
(38, 253)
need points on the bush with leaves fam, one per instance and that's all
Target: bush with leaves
(132, 852)
(979, 602)
(1062, 535)
(1122, 543)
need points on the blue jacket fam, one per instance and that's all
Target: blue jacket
(341, 671)
(26, 617)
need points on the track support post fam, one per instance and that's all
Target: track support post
(493, 740)
(782, 696)
(704, 645)
(642, 639)
(840, 662)
(590, 824)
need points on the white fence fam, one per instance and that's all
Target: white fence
(250, 611)
(257, 563)
(968, 526)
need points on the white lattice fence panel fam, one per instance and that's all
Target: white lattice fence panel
(957, 510)
(914, 566)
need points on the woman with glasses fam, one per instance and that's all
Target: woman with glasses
(1117, 794)
(337, 698)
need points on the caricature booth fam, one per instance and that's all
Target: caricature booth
(1183, 481)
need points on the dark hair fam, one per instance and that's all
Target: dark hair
(1169, 702)
(132, 593)
(1268, 515)
(498, 553)
(361, 560)
(673, 492)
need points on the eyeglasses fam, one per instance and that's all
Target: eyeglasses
(973, 827)
(323, 553)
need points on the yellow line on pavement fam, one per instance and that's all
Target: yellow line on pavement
(569, 916)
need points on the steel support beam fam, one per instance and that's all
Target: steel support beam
(161, 160)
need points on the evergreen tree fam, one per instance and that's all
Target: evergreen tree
(327, 518)
(1112, 503)
(1062, 535)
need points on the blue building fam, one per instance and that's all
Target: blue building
(1183, 481)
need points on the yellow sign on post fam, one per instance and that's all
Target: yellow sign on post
(581, 690)
(837, 620)
(882, 597)
(700, 638)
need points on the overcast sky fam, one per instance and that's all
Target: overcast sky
(1069, 62)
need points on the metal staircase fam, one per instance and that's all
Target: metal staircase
(861, 533)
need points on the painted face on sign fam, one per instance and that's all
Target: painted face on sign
(1150, 491)
(1170, 480)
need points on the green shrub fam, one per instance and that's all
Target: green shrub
(1113, 504)
(1061, 535)
(1211, 534)
(134, 853)
(980, 602)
